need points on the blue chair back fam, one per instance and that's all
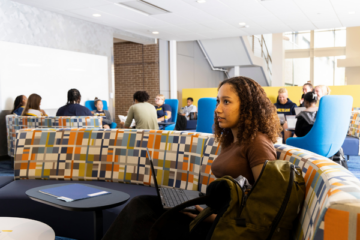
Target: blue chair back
(330, 128)
(206, 110)
(174, 104)
(90, 105)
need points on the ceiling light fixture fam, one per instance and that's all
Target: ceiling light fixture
(242, 24)
(132, 9)
(352, 12)
(201, 1)
(96, 15)
(155, 32)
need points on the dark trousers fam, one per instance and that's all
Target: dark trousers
(136, 219)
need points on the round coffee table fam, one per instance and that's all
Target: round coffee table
(22, 228)
(94, 204)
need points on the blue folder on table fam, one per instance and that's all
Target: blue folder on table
(72, 192)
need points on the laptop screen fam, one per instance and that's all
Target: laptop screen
(153, 172)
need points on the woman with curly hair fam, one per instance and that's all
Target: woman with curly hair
(246, 124)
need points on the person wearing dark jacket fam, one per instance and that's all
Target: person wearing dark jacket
(100, 112)
(306, 118)
(284, 105)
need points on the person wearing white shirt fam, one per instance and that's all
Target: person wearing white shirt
(189, 108)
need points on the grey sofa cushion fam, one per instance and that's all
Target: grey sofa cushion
(77, 225)
(4, 180)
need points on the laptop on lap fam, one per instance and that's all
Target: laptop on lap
(171, 197)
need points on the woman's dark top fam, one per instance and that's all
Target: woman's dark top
(73, 109)
(305, 121)
(19, 110)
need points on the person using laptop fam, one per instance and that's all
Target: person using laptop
(246, 127)
(306, 119)
(286, 107)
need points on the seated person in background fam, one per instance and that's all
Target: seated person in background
(100, 112)
(19, 105)
(161, 108)
(189, 108)
(307, 87)
(73, 107)
(306, 118)
(32, 107)
(143, 112)
(284, 105)
(321, 91)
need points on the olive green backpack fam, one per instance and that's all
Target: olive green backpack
(269, 210)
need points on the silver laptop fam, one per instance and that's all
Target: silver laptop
(281, 117)
(291, 123)
(290, 116)
(171, 197)
(299, 110)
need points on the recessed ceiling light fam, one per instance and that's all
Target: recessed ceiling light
(155, 32)
(201, 1)
(242, 24)
(352, 12)
(96, 15)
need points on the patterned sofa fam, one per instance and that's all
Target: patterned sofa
(14, 123)
(351, 145)
(117, 159)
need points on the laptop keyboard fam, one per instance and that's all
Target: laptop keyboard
(174, 197)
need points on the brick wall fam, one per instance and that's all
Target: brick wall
(136, 69)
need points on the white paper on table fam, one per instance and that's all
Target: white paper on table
(123, 119)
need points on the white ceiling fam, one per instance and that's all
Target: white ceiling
(190, 20)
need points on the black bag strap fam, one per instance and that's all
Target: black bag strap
(160, 223)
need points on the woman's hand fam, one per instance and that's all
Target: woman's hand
(43, 112)
(210, 219)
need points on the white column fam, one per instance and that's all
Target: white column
(173, 67)
(234, 71)
(312, 63)
(278, 59)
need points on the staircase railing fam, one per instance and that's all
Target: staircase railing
(260, 49)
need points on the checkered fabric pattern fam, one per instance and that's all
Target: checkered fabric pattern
(110, 155)
(212, 150)
(327, 185)
(15, 123)
(354, 127)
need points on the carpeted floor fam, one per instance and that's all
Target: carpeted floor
(6, 169)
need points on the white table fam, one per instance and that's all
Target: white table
(22, 228)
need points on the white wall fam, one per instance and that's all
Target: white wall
(193, 70)
(29, 25)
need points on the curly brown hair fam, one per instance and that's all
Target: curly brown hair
(257, 114)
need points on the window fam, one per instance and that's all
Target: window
(330, 38)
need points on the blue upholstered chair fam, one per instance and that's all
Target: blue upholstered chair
(206, 109)
(174, 104)
(330, 128)
(90, 105)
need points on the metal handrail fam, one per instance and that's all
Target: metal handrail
(264, 54)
